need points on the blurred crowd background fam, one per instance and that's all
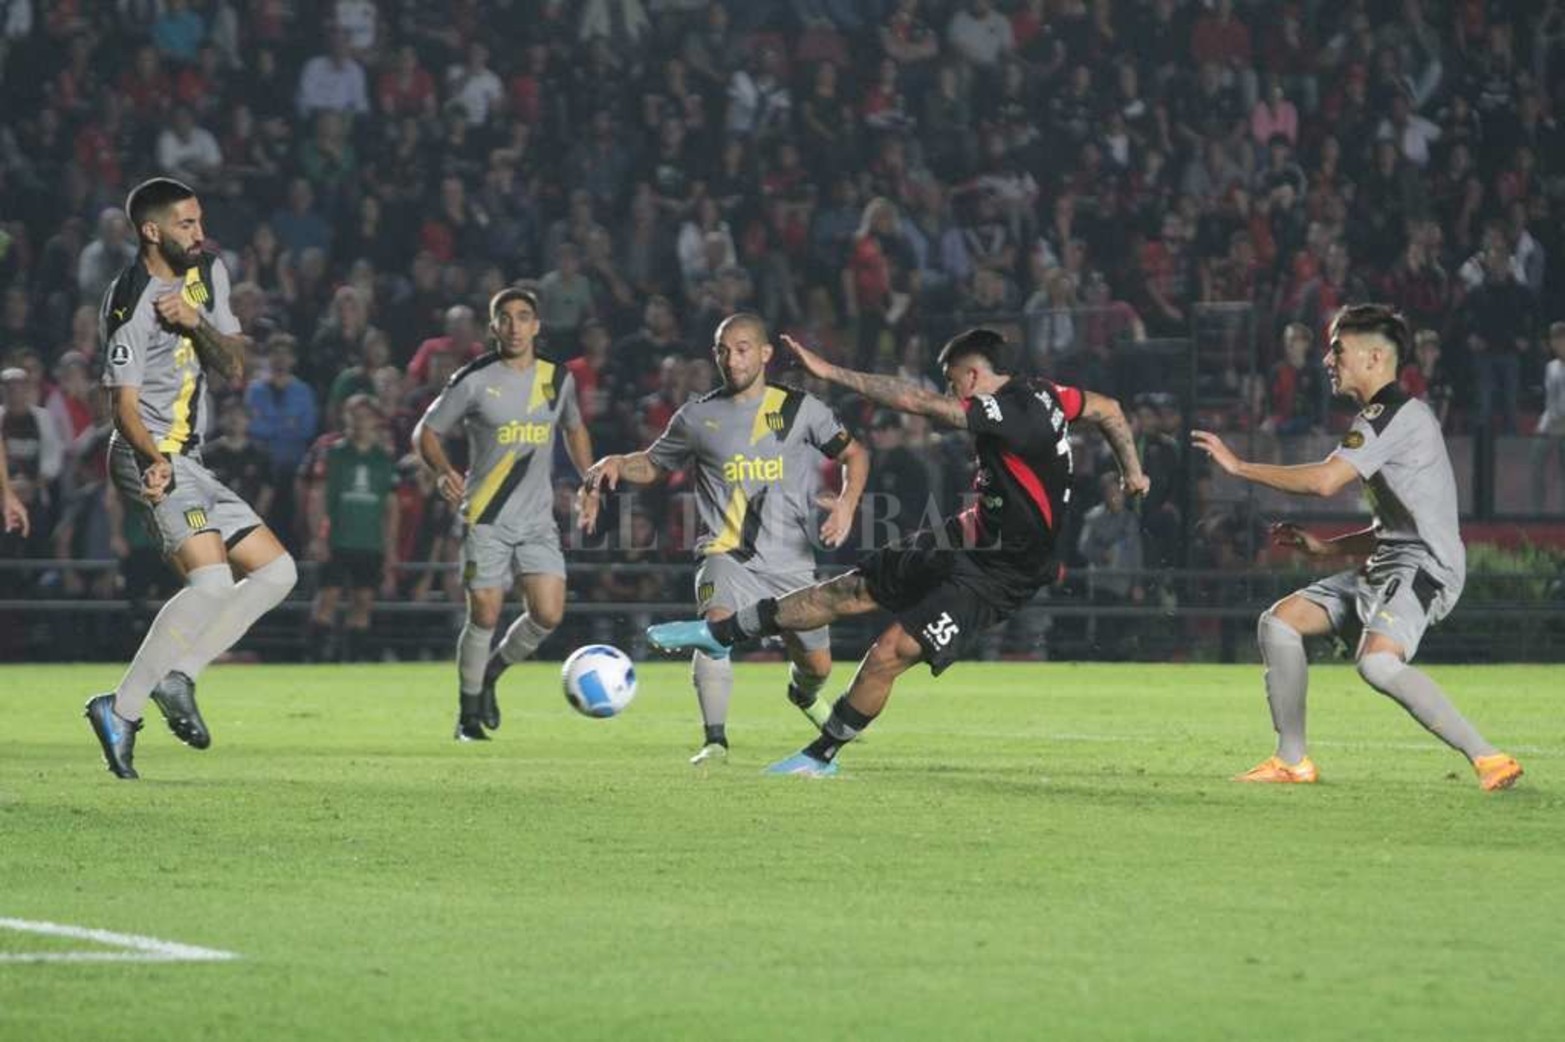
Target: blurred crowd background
(869, 175)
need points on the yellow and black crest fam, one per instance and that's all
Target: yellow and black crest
(195, 519)
(775, 422)
(705, 591)
(1352, 439)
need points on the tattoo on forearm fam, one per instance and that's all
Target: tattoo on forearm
(638, 468)
(1121, 442)
(902, 395)
(221, 353)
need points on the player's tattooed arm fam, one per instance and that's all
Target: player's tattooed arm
(222, 353)
(893, 393)
(634, 467)
(1105, 414)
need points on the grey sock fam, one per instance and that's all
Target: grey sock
(803, 687)
(714, 680)
(172, 634)
(253, 596)
(472, 654)
(1418, 693)
(1287, 683)
(521, 640)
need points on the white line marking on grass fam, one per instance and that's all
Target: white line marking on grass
(136, 948)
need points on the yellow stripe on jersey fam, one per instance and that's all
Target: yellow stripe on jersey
(179, 423)
(195, 293)
(489, 486)
(771, 403)
(543, 385)
(733, 523)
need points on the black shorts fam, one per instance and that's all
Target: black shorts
(945, 597)
(353, 569)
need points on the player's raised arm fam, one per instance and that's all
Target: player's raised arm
(890, 391)
(1325, 478)
(1105, 414)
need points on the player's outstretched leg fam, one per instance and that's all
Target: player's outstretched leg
(892, 655)
(1417, 692)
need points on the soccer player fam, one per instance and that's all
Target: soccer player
(510, 403)
(361, 518)
(756, 447)
(944, 585)
(1416, 564)
(166, 323)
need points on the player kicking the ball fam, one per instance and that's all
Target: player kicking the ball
(510, 403)
(946, 585)
(1416, 564)
(756, 447)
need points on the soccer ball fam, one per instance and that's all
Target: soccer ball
(599, 680)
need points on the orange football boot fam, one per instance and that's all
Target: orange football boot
(1275, 770)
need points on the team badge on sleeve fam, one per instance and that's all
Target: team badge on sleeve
(119, 354)
(1353, 439)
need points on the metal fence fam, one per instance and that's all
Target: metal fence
(1152, 615)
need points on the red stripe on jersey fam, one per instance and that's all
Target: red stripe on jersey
(1070, 398)
(1029, 481)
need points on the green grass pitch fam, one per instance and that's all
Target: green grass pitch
(1018, 851)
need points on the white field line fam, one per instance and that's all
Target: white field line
(134, 947)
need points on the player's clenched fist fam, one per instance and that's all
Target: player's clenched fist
(178, 312)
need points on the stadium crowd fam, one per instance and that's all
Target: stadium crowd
(864, 173)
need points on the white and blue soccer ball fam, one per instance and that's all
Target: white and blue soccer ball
(600, 680)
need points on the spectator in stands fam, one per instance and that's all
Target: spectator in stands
(1551, 423)
(900, 486)
(108, 254)
(334, 80)
(1424, 376)
(565, 300)
(1498, 317)
(1298, 392)
(187, 152)
(284, 419)
(460, 342)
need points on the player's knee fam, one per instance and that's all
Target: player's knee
(1380, 668)
(1272, 628)
(281, 571)
(547, 616)
(215, 582)
(482, 613)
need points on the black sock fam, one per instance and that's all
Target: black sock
(717, 734)
(748, 623)
(842, 727)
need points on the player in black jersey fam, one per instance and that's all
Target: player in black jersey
(945, 585)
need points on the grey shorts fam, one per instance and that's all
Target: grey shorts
(491, 560)
(722, 582)
(1400, 601)
(196, 501)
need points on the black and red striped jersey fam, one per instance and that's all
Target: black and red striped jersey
(1022, 485)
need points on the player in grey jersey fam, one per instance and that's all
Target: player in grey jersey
(510, 403)
(1415, 567)
(166, 323)
(756, 448)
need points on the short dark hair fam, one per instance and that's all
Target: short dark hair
(1380, 319)
(510, 293)
(987, 343)
(148, 200)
